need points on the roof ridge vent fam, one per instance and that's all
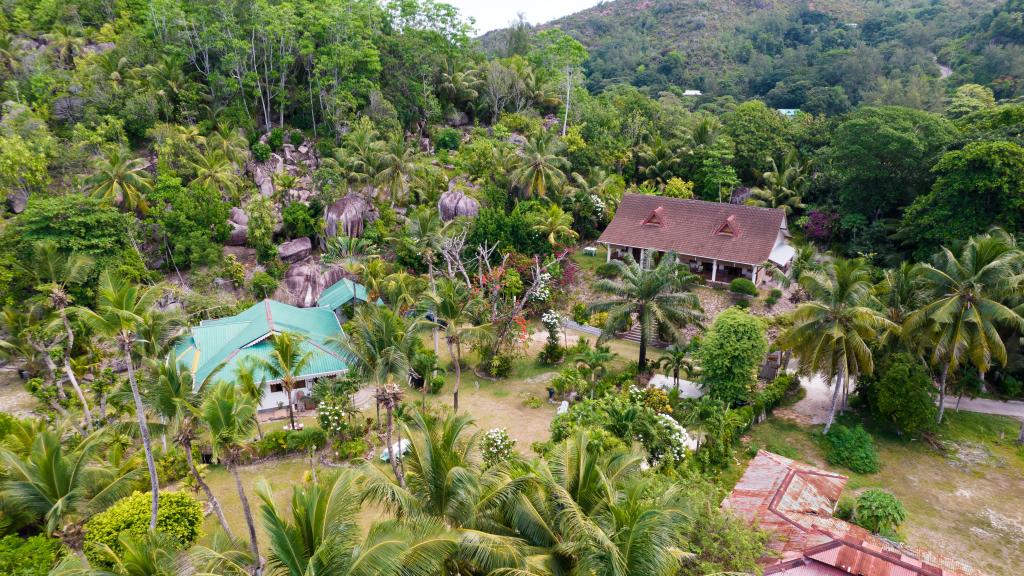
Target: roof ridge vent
(729, 227)
(656, 218)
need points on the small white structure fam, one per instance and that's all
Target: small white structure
(563, 407)
(692, 92)
(400, 447)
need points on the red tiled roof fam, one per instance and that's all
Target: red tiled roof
(712, 230)
(795, 502)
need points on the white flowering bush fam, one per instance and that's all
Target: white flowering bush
(677, 439)
(551, 320)
(332, 416)
(497, 446)
(543, 291)
(598, 204)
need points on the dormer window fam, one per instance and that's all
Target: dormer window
(729, 227)
(656, 218)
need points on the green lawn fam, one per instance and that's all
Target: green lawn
(967, 503)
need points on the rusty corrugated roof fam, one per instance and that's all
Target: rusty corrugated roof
(795, 503)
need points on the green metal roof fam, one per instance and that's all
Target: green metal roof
(341, 292)
(229, 340)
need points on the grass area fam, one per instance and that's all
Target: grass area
(966, 502)
(590, 263)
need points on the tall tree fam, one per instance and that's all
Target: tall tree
(541, 167)
(288, 359)
(396, 163)
(658, 297)
(229, 416)
(454, 307)
(173, 396)
(830, 334)
(121, 180)
(379, 346)
(967, 305)
(120, 309)
(55, 272)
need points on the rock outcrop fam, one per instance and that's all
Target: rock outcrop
(305, 281)
(349, 216)
(239, 223)
(295, 250)
(454, 202)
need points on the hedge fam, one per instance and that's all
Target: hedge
(32, 556)
(180, 518)
(281, 442)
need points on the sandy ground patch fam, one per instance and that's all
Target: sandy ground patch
(14, 399)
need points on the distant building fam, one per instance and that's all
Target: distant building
(720, 241)
(692, 92)
(788, 112)
(795, 503)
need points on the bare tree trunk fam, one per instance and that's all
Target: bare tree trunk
(835, 399)
(70, 335)
(291, 413)
(942, 392)
(140, 412)
(392, 456)
(458, 374)
(254, 546)
(214, 503)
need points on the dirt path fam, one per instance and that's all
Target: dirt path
(813, 409)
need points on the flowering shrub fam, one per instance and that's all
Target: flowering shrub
(543, 291)
(819, 225)
(551, 320)
(497, 446)
(552, 352)
(675, 439)
(332, 416)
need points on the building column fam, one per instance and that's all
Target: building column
(714, 270)
(608, 252)
(753, 275)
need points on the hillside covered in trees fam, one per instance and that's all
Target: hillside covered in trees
(183, 181)
(821, 56)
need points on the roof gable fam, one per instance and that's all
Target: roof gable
(710, 230)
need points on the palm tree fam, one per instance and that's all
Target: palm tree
(967, 295)
(783, 185)
(444, 482)
(9, 54)
(121, 307)
(229, 417)
(173, 397)
(231, 143)
(658, 297)
(245, 377)
(55, 271)
(379, 347)
(454, 307)
(593, 361)
(677, 359)
(289, 358)
(284, 183)
(900, 292)
(63, 488)
(66, 43)
(121, 180)
(396, 164)
(541, 167)
(215, 171)
(320, 534)
(806, 259)
(403, 290)
(554, 224)
(830, 334)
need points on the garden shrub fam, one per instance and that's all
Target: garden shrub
(296, 137)
(262, 285)
(352, 449)
(743, 286)
(497, 447)
(730, 354)
(436, 384)
(260, 151)
(743, 303)
(33, 556)
(844, 509)
(880, 512)
(579, 313)
(598, 319)
(298, 220)
(852, 448)
(281, 442)
(773, 394)
(607, 270)
(500, 366)
(447, 139)
(180, 518)
(773, 297)
(275, 139)
(904, 395)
